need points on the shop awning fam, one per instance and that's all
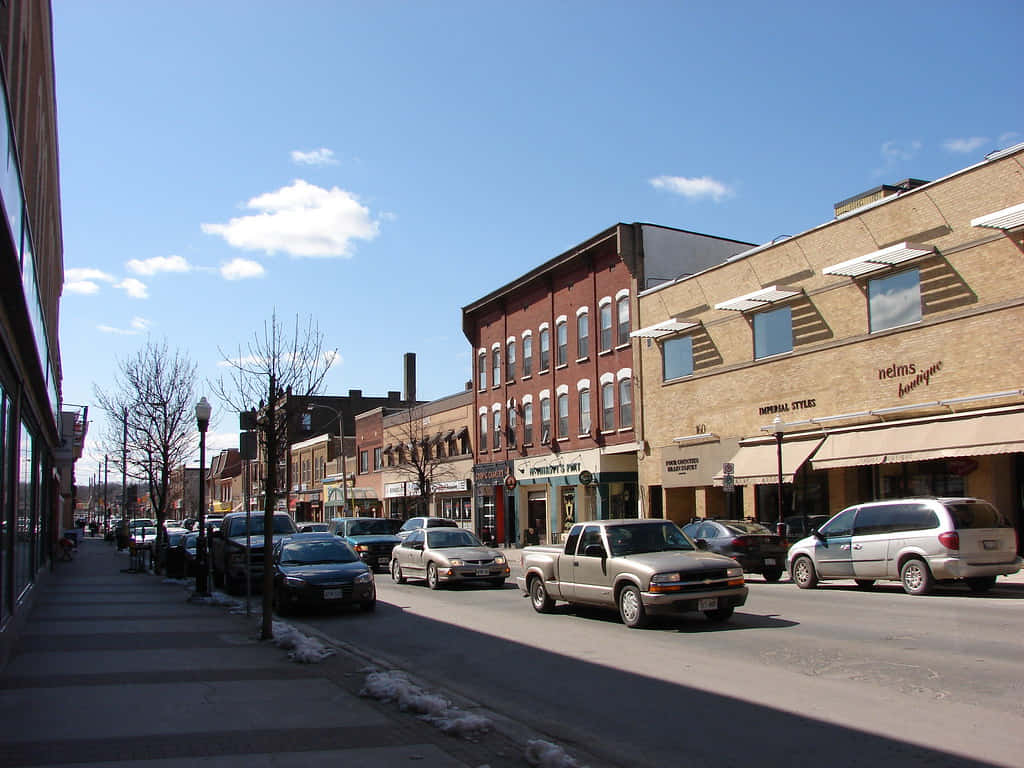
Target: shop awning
(759, 464)
(947, 438)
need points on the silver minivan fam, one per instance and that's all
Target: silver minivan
(915, 541)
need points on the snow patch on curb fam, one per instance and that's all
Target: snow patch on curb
(301, 648)
(436, 710)
(544, 754)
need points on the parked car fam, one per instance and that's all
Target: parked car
(372, 538)
(228, 548)
(752, 545)
(446, 555)
(144, 536)
(914, 541)
(312, 527)
(416, 523)
(189, 545)
(174, 555)
(641, 567)
(320, 570)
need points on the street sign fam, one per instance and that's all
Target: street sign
(728, 468)
(728, 484)
(586, 477)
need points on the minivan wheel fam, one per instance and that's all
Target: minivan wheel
(803, 573)
(981, 584)
(916, 578)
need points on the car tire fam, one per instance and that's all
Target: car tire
(433, 580)
(396, 573)
(771, 575)
(631, 607)
(803, 573)
(916, 577)
(865, 584)
(539, 597)
(720, 614)
(981, 584)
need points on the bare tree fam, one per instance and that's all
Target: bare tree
(420, 458)
(274, 363)
(149, 430)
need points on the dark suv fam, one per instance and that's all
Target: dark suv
(228, 548)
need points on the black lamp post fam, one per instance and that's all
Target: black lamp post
(779, 428)
(203, 410)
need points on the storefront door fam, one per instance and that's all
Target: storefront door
(537, 514)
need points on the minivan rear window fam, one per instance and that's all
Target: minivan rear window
(976, 514)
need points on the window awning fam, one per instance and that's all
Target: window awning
(1008, 218)
(759, 464)
(937, 439)
(758, 299)
(876, 260)
(664, 328)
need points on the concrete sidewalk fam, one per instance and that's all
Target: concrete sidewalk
(119, 667)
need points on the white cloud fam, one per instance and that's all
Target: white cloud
(693, 188)
(134, 288)
(139, 325)
(159, 264)
(965, 146)
(76, 274)
(331, 358)
(242, 269)
(84, 287)
(301, 220)
(893, 151)
(322, 156)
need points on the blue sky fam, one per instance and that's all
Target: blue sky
(379, 165)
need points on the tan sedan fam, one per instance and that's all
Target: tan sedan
(447, 556)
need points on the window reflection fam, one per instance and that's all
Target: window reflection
(773, 332)
(895, 300)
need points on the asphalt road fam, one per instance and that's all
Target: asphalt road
(834, 675)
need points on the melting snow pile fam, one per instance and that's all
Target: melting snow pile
(301, 648)
(436, 710)
(544, 754)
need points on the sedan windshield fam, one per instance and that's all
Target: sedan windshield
(315, 552)
(444, 538)
(379, 527)
(633, 539)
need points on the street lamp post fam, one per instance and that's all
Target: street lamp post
(203, 410)
(779, 428)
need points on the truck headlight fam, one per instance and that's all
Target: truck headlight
(665, 578)
(733, 573)
(363, 578)
(362, 548)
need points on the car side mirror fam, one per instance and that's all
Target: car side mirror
(817, 534)
(702, 543)
(594, 550)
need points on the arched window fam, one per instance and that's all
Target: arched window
(623, 324)
(563, 415)
(545, 349)
(483, 432)
(527, 356)
(510, 360)
(606, 326)
(545, 419)
(527, 423)
(511, 427)
(608, 406)
(562, 341)
(584, 411)
(497, 429)
(625, 403)
(496, 367)
(481, 370)
(582, 335)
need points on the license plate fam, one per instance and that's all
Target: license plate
(383, 561)
(769, 561)
(990, 544)
(483, 571)
(332, 594)
(707, 604)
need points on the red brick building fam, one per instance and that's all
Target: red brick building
(555, 401)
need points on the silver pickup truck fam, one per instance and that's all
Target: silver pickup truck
(642, 567)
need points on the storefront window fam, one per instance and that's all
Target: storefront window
(895, 300)
(24, 513)
(568, 508)
(5, 462)
(773, 332)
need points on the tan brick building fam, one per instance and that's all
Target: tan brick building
(886, 342)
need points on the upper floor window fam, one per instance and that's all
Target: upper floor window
(625, 403)
(497, 429)
(364, 462)
(608, 406)
(562, 341)
(511, 427)
(623, 324)
(545, 349)
(545, 419)
(773, 332)
(584, 411)
(510, 360)
(582, 335)
(527, 356)
(307, 422)
(677, 358)
(895, 300)
(527, 423)
(496, 367)
(378, 458)
(606, 326)
(483, 432)
(563, 415)
(481, 370)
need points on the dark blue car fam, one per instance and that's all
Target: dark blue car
(319, 570)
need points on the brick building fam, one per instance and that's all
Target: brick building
(555, 401)
(882, 348)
